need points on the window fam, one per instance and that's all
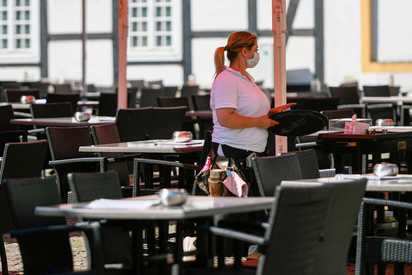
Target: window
(15, 25)
(154, 28)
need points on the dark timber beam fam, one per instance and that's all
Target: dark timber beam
(319, 41)
(252, 16)
(44, 48)
(187, 38)
(290, 17)
(115, 35)
(78, 36)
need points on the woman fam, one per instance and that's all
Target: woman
(240, 108)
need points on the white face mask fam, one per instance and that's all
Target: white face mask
(252, 62)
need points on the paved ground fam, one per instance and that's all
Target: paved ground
(78, 247)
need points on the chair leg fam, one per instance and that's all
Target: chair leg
(3, 256)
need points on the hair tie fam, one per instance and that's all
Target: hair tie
(226, 48)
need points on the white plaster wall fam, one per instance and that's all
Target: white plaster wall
(65, 16)
(65, 61)
(20, 73)
(172, 75)
(215, 15)
(343, 48)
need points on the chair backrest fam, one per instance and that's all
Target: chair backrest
(58, 98)
(64, 88)
(64, 142)
(105, 134)
(314, 103)
(201, 102)
(155, 84)
(49, 252)
(6, 114)
(345, 201)
(308, 162)
(133, 124)
(270, 171)
(381, 111)
(108, 102)
(381, 90)
(189, 91)
(148, 96)
(138, 83)
(23, 159)
(50, 110)
(43, 88)
(165, 121)
(92, 186)
(173, 101)
(296, 226)
(340, 113)
(346, 95)
(15, 95)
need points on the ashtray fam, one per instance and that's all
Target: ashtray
(82, 116)
(182, 136)
(172, 197)
(27, 99)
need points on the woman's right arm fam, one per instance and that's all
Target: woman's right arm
(229, 118)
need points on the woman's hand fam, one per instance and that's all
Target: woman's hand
(266, 122)
(281, 108)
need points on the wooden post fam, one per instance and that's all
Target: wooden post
(123, 31)
(279, 55)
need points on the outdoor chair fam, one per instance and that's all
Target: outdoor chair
(381, 111)
(383, 90)
(64, 143)
(43, 88)
(348, 99)
(337, 114)
(133, 124)
(165, 121)
(15, 95)
(6, 114)
(148, 96)
(293, 235)
(309, 231)
(86, 187)
(108, 102)
(64, 88)
(23, 159)
(60, 97)
(189, 91)
(107, 134)
(188, 124)
(51, 110)
(201, 102)
(44, 242)
(372, 249)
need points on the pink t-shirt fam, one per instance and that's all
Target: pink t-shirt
(233, 90)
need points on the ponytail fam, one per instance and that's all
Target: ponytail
(219, 60)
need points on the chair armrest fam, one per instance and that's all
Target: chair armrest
(36, 131)
(351, 106)
(304, 145)
(21, 114)
(165, 163)
(232, 234)
(396, 204)
(100, 160)
(92, 231)
(122, 157)
(327, 173)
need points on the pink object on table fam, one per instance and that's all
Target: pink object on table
(236, 185)
(355, 128)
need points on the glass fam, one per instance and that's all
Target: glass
(27, 29)
(168, 40)
(4, 3)
(17, 3)
(18, 29)
(18, 43)
(18, 15)
(144, 41)
(168, 11)
(158, 26)
(134, 12)
(4, 43)
(168, 25)
(27, 43)
(27, 15)
(158, 11)
(144, 12)
(5, 29)
(144, 26)
(134, 26)
(158, 41)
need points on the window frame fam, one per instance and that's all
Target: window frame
(152, 52)
(22, 55)
(369, 62)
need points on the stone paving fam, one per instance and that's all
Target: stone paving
(78, 248)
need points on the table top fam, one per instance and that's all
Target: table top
(399, 183)
(340, 136)
(26, 106)
(386, 99)
(63, 121)
(162, 146)
(147, 208)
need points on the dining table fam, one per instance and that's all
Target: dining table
(63, 121)
(154, 146)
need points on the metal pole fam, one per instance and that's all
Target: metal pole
(122, 78)
(84, 40)
(279, 55)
